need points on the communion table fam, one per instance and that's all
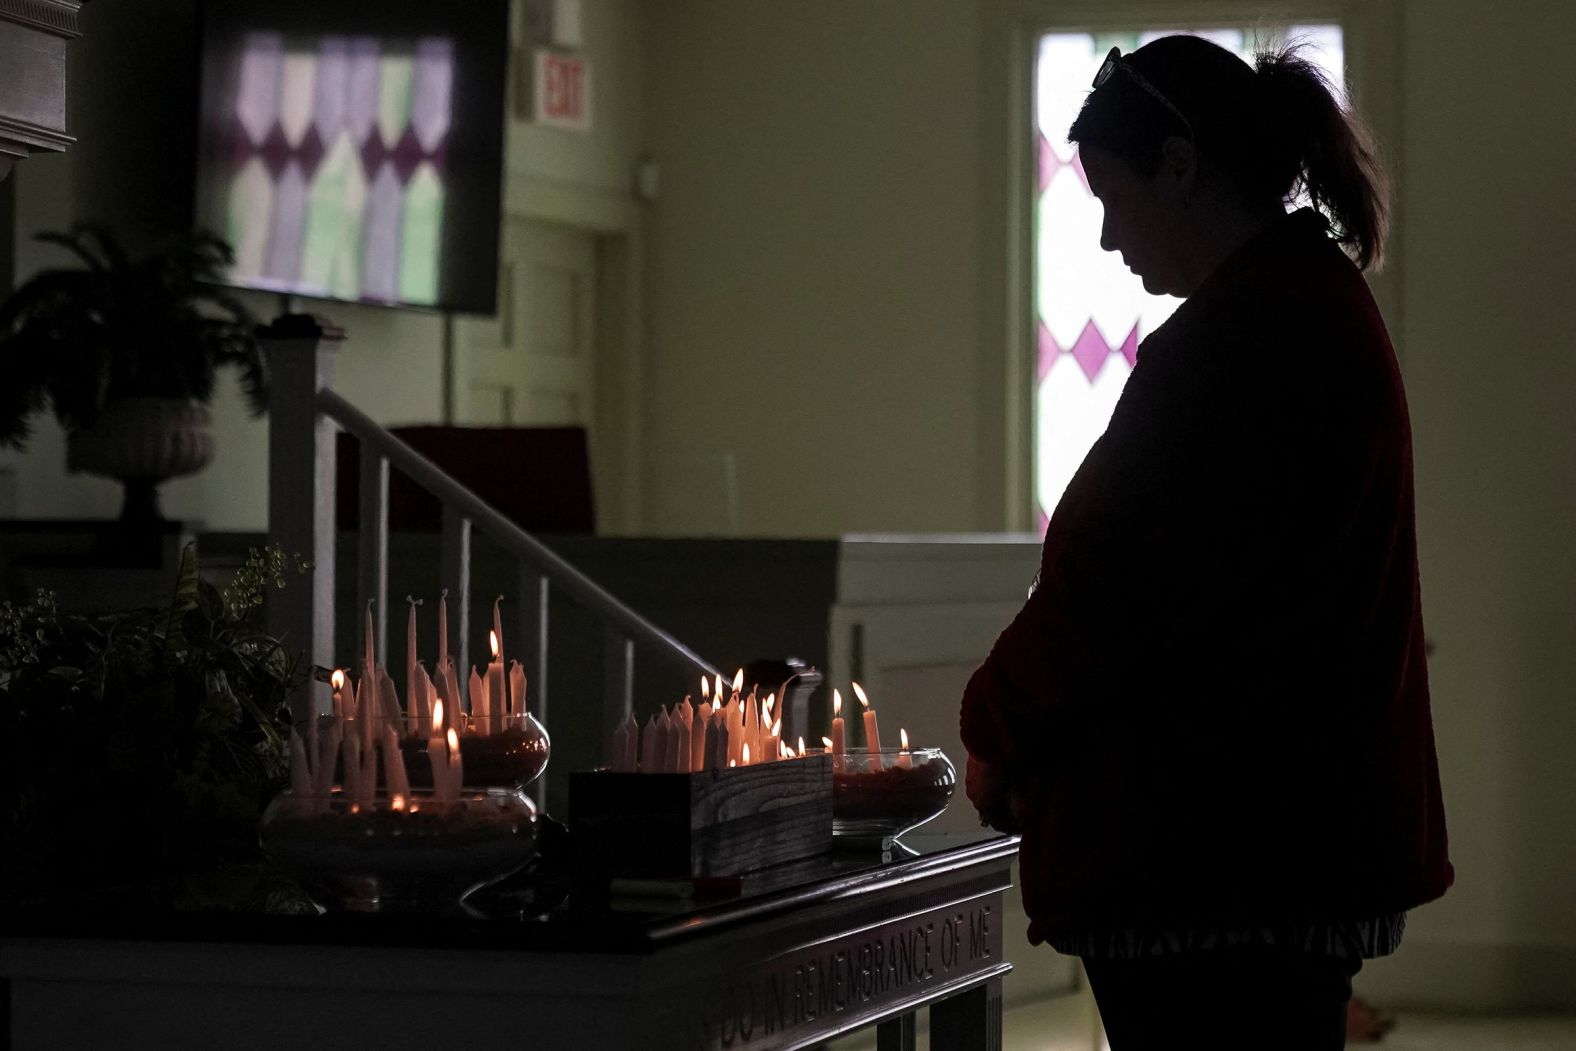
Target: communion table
(798, 956)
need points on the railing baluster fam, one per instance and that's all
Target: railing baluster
(455, 565)
(373, 549)
(618, 680)
(301, 492)
(532, 587)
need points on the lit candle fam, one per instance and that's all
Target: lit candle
(497, 694)
(752, 724)
(336, 682)
(774, 741)
(903, 758)
(437, 756)
(872, 736)
(516, 688)
(837, 741)
(498, 628)
(801, 745)
(456, 778)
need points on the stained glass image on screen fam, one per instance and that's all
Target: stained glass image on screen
(335, 163)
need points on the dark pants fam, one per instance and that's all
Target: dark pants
(1228, 998)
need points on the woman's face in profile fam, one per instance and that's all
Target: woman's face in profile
(1142, 219)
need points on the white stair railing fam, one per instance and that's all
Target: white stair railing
(304, 414)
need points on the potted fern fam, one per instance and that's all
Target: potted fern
(125, 349)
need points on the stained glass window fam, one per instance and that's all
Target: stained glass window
(335, 173)
(1091, 311)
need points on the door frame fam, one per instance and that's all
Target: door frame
(617, 227)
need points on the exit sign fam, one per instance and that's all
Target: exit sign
(562, 90)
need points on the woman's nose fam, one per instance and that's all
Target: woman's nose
(1107, 242)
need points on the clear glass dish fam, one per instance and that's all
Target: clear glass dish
(511, 757)
(417, 854)
(878, 796)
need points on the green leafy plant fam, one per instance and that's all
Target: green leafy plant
(119, 326)
(141, 746)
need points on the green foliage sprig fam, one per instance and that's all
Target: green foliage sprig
(141, 745)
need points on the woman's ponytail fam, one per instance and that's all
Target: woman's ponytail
(1326, 152)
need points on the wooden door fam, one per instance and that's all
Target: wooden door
(534, 364)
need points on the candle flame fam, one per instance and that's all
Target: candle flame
(337, 680)
(902, 735)
(705, 689)
(738, 680)
(826, 741)
(771, 699)
(492, 639)
(717, 689)
(777, 728)
(732, 763)
(437, 715)
(454, 743)
(398, 802)
(746, 754)
(801, 744)
(860, 693)
(837, 703)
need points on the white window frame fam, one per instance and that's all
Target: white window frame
(1371, 32)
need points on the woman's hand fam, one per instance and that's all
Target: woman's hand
(991, 795)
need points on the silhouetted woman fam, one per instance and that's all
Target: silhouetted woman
(1210, 721)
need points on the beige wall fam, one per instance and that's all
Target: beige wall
(813, 266)
(1490, 244)
(816, 254)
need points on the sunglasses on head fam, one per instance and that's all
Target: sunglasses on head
(1114, 61)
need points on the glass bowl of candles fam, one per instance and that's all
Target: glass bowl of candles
(879, 795)
(416, 852)
(496, 750)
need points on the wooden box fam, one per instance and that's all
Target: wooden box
(711, 823)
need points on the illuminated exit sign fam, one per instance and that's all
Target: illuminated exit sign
(562, 90)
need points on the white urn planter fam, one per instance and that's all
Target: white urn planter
(142, 442)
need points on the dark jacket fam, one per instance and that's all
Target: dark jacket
(1216, 701)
